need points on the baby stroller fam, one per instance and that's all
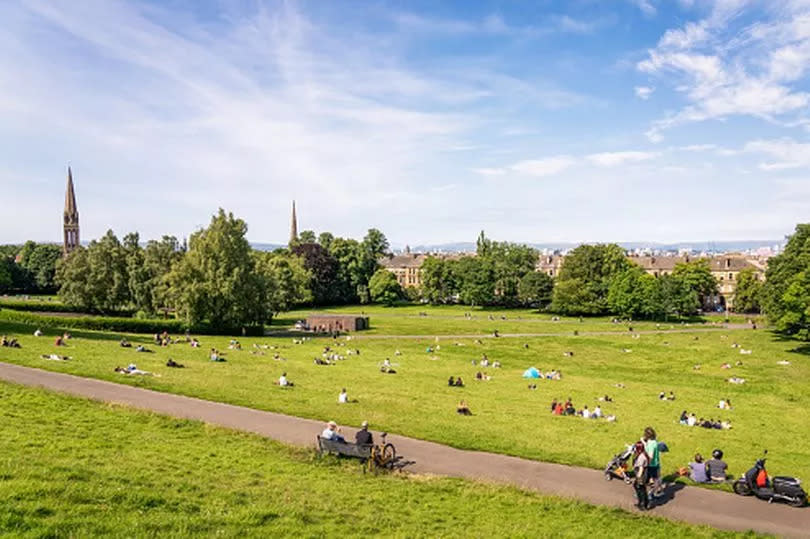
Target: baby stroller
(619, 466)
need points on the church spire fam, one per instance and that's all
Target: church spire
(293, 226)
(71, 217)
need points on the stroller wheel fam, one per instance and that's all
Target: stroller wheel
(628, 480)
(608, 476)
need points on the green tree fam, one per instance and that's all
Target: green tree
(325, 239)
(323, 271)
(748, 292)
(96, 279)
(306, 236)
(6, 276)
(384, 287)
(72, 275)
(476, 280)
(697, 275)
(438, 281)
(585, 277)
(510, 263)
(626, 296)
(215, 281)
(780, 296)
(40, 263)
(286, 280)
(535, 289)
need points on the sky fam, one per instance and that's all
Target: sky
(544, 121)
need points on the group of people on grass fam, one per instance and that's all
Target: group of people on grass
(9, 343)
(690, 420)
(558, 407)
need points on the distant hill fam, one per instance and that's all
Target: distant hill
(266, 246)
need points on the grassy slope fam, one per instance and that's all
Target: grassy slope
(70, 467)
(509, 418)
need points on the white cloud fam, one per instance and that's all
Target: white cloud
(490, 171)
(698, 147)
(725, 66)
(543, 167)
(643, 92)
(612, 159)
(646, 7)
(786, 152)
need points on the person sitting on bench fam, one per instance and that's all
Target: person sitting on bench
(332, 433)
(363, 436)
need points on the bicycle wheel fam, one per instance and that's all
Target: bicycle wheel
(389, 453)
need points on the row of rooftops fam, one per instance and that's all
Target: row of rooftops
(726, 262)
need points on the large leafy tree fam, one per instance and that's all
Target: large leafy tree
(216, 280)
(476, 280)
(384, 287)
(585, 278)
(96, 278)
(748, 292)
(40, 265)
(510, 263)
(781, 294)
(697, 275)
(6, 274)
(438, 280)
(323, 271)
(535, 289)
(148, 272)
(286, 280)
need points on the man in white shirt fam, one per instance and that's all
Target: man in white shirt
(586, 413)
(597, 412)
(692, 420)
(331, 433)
(283, 382)
(343, 398)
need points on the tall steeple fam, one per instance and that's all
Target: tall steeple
(293, 226)
(71, 218)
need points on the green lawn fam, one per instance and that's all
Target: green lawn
(451, 320)
(75, 468)
(769, 410)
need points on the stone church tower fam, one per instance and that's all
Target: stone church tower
(71, 218)
(293, 227)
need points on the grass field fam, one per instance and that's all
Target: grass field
(769, 410)
(75, 468)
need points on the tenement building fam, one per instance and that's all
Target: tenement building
(407, 267)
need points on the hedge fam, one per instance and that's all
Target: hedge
(119, 324)
(38, 305)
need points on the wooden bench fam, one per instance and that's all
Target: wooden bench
(345, 449)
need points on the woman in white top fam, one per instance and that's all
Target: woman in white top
(343, 398)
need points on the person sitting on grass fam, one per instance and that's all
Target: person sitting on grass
(553, 404)
(559, 409)
(691, 421)
(216, 355)
(343, 397)
(172, 363)
(363, 436)
(195, 343)
(697, 470)
(463, 409)
(331, 432)
(283, 382)
(597, 412)
(124, 343)
(684, 418)
(38, 333)
(459, 382)
(716, 467)
(58, 342)
(451, 382)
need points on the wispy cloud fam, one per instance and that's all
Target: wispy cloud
(724, 67)
(643, 92)
(612, 159)
(543, 167)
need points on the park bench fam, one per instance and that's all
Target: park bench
(345, 449)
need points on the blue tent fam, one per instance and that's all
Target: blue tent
(531, 372)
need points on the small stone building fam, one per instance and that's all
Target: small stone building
(328, 323)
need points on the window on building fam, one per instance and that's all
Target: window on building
(730, 276)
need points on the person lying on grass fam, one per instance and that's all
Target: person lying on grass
(55, 357)
(124, 343)
(10, 343)
(132, 369)
(174, 364)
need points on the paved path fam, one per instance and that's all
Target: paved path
(696, 329)
(690, 504)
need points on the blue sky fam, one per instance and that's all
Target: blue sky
(578, 120)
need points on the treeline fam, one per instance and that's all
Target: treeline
(594, 280)
(216, 279)
(35, 273)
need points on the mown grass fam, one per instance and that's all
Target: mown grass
(75, 468)
(769, 410)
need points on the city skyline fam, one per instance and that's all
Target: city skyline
(566, 122)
